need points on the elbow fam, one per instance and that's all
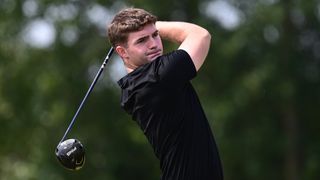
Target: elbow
(204, 34)
(207, 35)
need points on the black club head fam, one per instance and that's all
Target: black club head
(71, 154)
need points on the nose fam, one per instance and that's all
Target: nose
(153, 43)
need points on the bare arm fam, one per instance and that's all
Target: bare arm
(192, 38)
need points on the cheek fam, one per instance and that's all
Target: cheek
(137, 54)
(159, 42)
(139, 51)
(134, 51)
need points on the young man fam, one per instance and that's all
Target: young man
(158, 94)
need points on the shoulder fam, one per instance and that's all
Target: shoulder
(177, 65)
(178, 59)
(177, 54)
(174, 66)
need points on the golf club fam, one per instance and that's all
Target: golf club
(70, 152)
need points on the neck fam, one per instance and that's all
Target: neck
(129, 70)
(129, 67)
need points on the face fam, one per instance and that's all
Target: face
(142, 47)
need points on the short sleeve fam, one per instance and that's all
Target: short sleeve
(157, 81)
(176, 67)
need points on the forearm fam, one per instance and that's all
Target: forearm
(177, 32)
(192, 38)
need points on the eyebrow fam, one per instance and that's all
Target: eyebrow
(142, 38)
(156, 31)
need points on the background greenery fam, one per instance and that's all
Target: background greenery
(259, 87)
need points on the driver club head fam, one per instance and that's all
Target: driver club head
(71, 154)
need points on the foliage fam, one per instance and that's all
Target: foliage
(258, 87)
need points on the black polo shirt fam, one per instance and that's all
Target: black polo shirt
(161, 99)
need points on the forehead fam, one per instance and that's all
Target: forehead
(145, 31)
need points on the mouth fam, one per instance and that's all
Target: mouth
(154, 54)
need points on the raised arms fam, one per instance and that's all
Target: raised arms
(192, 38)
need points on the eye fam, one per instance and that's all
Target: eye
(141, 40)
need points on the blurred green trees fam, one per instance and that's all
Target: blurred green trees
(259, 87)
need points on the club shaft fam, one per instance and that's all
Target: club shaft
(88, 92)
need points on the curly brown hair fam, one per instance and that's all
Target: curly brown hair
(126, 21)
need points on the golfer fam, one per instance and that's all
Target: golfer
(158, 94)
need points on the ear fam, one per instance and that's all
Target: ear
(122, 52)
